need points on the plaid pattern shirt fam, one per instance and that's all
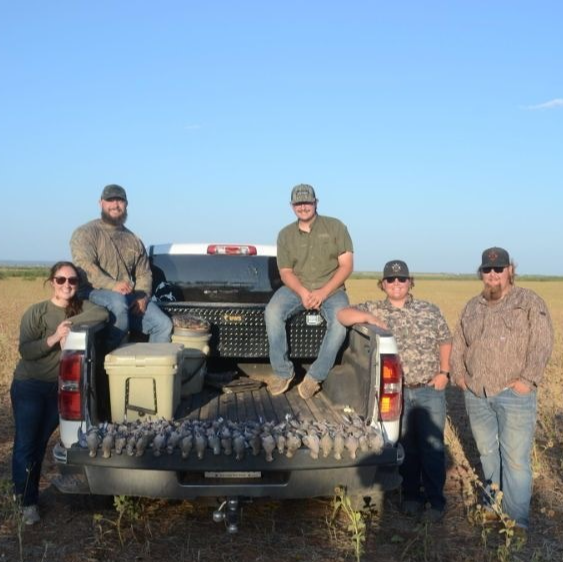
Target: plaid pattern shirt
(497, 344)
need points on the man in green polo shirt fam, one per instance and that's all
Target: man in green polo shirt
(315, 257)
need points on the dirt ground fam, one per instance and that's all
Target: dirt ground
(77, 528)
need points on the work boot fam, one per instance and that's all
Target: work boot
(433, 515)
(308, 387)
(279, 385)
(412, 508)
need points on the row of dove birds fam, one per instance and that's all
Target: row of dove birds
(220, 436)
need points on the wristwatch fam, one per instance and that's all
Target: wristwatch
(444, 372)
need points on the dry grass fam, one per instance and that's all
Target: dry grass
(16, 296)
(297, 530)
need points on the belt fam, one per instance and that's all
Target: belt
(415, 385)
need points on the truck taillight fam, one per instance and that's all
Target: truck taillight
(70, 397)
(245, 249)
(390, 397)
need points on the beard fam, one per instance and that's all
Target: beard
(115, 221)
(492, 292)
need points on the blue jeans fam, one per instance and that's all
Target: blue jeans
(154, 322)
(284, 304)
(503, 427)
(422, 436)
(36, 417)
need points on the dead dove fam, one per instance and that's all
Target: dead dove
(107, 444)
(93, 441)
(293, 443)
(352, 445)
(239, 446)
(172, 441)
(312, 442)
(214, 443)
(338, 445)
(326, 444)
(226, 441)
(375, 441)
(280, 443)
(142, 443)
(120, 441)
(268, 445)
(200, 444)
(186, 445)
(158, 444)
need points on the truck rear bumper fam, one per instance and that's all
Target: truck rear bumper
(174, 478)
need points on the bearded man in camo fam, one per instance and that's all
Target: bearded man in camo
(115, 273)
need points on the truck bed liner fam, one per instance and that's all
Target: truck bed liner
(211, 404)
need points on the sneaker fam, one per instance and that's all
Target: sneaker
(433, 515)
(308, 387)
(412, 508)
(30, 515)
(278, 385)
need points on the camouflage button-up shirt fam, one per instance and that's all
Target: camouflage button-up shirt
(419, 329)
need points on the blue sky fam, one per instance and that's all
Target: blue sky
(432, 129)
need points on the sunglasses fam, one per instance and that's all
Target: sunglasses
(59, 280)
(400, 279)
(496, 269)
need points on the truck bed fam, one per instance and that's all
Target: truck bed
(211, 404)
(353, 382)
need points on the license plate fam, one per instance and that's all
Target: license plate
(233, 474)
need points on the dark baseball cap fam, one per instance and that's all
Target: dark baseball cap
(303, 193)
(396, 268)
(113, 190)
(495, 257)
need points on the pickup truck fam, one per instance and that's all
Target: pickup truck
(228, 286)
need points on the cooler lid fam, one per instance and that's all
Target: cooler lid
(145, 354)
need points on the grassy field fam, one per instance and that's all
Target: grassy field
(310, 536)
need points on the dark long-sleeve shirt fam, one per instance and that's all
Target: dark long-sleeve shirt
(38, 359)
(497, 344)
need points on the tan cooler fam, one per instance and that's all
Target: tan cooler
(144, 380)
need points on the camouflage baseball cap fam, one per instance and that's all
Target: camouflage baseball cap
(495, 257)
(303, 193)
(113, 190)
(396, 268)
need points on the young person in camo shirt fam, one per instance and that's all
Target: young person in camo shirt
(424, 343)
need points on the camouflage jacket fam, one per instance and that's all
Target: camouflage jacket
(419, 329)
(105, 254)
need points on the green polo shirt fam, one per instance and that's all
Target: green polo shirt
(313, 256)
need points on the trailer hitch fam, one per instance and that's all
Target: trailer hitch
(228, 512)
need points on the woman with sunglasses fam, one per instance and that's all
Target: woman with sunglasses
(43, 331)
(424, 343)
